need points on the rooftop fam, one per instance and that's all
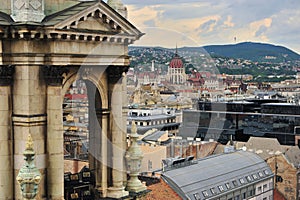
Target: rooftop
(217, 175)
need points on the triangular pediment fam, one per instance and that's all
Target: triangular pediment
(92, 16)
(92, 23)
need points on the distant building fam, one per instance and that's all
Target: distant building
(176, 71)
(237, 175)
(255, 117)
(148, 119)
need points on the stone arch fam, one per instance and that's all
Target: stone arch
(97, 78)
(97, 89)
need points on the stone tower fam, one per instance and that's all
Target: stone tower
(45, 45)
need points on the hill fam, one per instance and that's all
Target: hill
(257, 52)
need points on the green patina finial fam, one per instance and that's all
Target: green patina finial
(29, 176)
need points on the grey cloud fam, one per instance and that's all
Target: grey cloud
(206, 26)
(261, 31)
(150, 23)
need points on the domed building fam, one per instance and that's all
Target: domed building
(176, 71)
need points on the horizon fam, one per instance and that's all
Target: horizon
(190, 23)
(156, 46)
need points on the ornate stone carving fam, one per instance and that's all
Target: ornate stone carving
(6, 74)
(29, 176)
(134, 156)
(53, 75)
(115, 73)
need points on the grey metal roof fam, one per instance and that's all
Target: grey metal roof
(154, 136)
(214, 171)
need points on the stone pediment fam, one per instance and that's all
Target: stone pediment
(92, 23)
(92, 17)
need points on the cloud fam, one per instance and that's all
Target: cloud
(218, 22)
(208, 26)
(261, 31)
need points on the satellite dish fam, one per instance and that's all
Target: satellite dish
(244, 148)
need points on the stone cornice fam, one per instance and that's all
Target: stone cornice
(29, 120)
(66, 35)
(6, 74)
(53, 75)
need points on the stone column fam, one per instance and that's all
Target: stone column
(98, 138)
(104, 161)
(29, 117)
(6, 153)
(117, 128)
(55, 138)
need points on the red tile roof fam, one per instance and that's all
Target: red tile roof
(161, 191)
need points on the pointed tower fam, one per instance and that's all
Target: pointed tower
(27, 10)
(118, 6)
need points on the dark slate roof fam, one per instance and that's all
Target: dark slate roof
(194, 180)
(5, 19)
(154, 136)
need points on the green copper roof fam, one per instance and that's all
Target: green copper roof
(67, 13)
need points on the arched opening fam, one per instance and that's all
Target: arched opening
(82, 121)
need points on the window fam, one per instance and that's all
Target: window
(205, 194)
(265, 187)
(265, 198)
(260, 174)
(221, 188)
(237, 197)
(242, 181)
(249, 178)
(234, 182)
(244, 195)
(267, 172)
(197, 196)
(213, 190)
(250, 193)
(254, 176)
(259, 189)
(227, 185)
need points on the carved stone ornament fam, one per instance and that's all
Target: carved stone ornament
(53, 75)
(28, 10)
(29, 176)
(134, 156)
(115, 73)
(6, 74)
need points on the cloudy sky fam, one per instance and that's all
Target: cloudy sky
(205, 22)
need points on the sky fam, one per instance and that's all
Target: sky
(206, 22)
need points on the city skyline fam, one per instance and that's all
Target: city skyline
(200, 23)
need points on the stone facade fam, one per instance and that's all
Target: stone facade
(88, 41)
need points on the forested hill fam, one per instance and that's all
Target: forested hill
(258, 52)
